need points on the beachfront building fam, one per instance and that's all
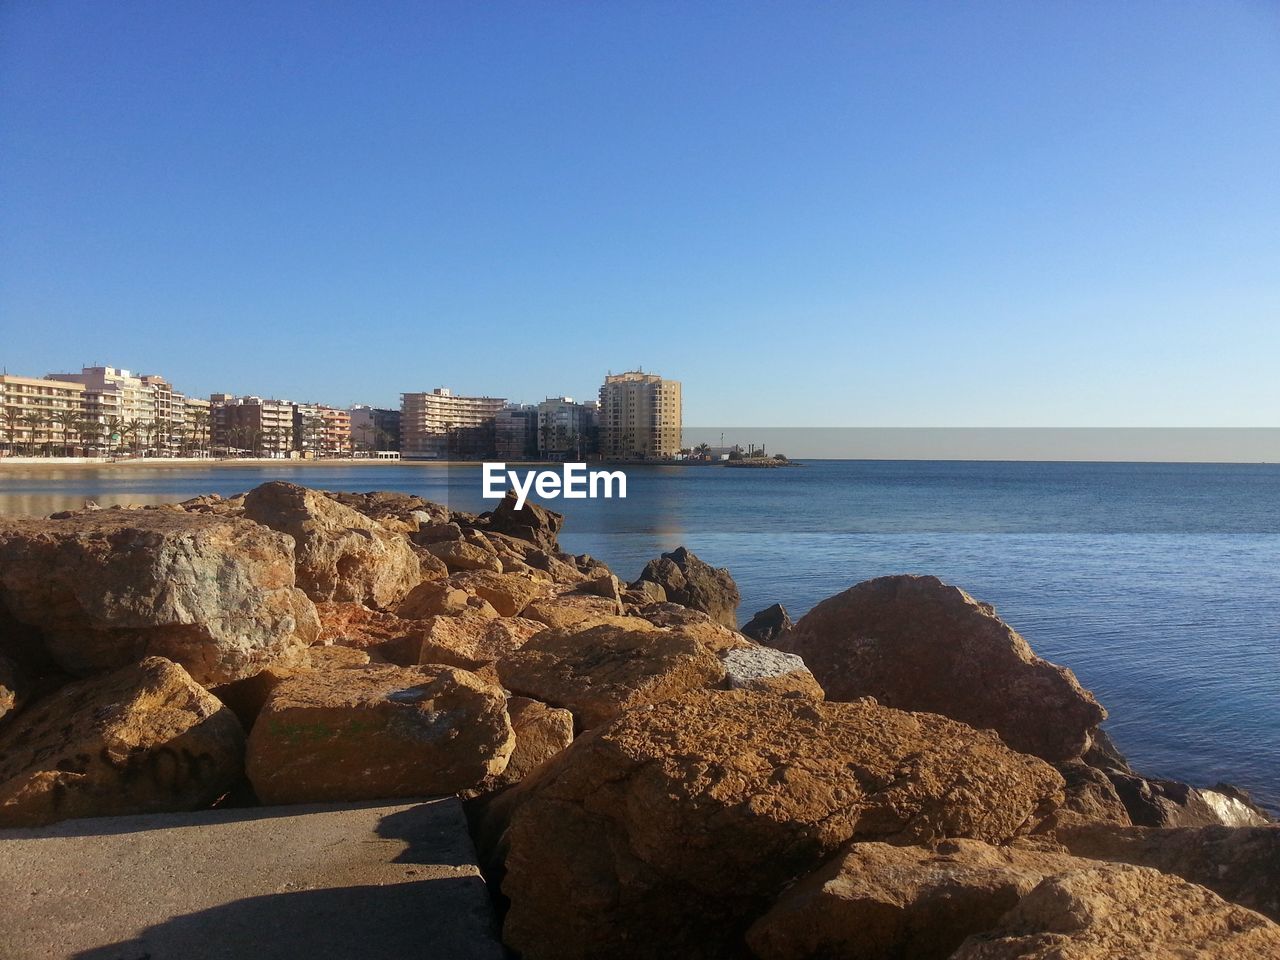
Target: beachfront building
(193, 425)
(135, 412)
(36, 414)
(640, 417)
(335, 436)
(566, 429)
(374, 428)
(516, 432)
(440, 425)
(252, 425)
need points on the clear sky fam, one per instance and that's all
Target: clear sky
(976, 214)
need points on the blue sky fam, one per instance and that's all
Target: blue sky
(1004, 214)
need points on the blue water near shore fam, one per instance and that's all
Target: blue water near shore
(1158, 584)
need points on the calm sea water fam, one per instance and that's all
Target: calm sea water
(1158, 584)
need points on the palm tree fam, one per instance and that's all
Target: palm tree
(114, 430)
(11, 417)
(703, 450)
(200, 425)
(34, 422)
(67, 420)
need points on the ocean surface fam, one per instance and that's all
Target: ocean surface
(1158, 584)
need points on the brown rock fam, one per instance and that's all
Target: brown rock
(644, 592)
(567, 610)
(341, 554)
(690, 582)
(247, 696)
(460, 555)
(533, 523)
(876, 900)
(368, 733)
(109, 587)
(382, 635)
(435, 598)
(8, 687)
(769, 671)
(471, 640)
(768, 624)
(541, 733)
(918, 644)
(1240, 864)
(1090, 798)
(143, 739)
(433, 568)
(333, 657)
(599, 671)
(1107, 912)
(437, 532)
(508, 593)
(675, 826)
(1167, 803)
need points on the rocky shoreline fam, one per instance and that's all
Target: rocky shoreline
(895, 775)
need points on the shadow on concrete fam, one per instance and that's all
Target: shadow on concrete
(445, 918)
(431, 833)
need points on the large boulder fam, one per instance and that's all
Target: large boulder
(508, 593)
(666, 832)
(532, 522)
(341, 554)
(541, 733)
(106, 588)
(602, 670)
(690, 582)
(917, 643)
(1240, 864)
(878, 900)
(472, 640)
(378, 732)
(1107, 912)
(142, 739)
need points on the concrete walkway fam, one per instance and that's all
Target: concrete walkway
(268, 883)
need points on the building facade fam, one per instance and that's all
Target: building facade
(440, 426)
(640, 417)
(36, 413)
(516, 432)
(373, 428)
(252, 425)
(566, 429)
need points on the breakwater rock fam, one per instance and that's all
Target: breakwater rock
(895, 775)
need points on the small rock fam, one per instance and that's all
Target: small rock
(768, 624)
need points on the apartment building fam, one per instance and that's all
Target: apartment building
(566, 429)
(440, 425)
(516, 432)
(38, 412)
(112, 392)
(252, 424)
(335, 438)
(373, 428)
(640, 417)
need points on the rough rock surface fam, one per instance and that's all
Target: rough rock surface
(602, 670)
(917, 643)
(1169, 803)
(1090, 798)
(368, 733)
(507, 593)
(109, 587)
(383, 635)
(533, 523)
(471, 640)
(569, 609)
(768, 670)
(1240, 864)
(460, 555)
(1108, 912)
(876, 900)
(341, 554)
(768, 624)
(441, 598)
(142, 739)
(541, 733)
(675, 826)
(693, 583)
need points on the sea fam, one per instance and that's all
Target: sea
(1158, 584)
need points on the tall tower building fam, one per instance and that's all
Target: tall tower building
(640, 417)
